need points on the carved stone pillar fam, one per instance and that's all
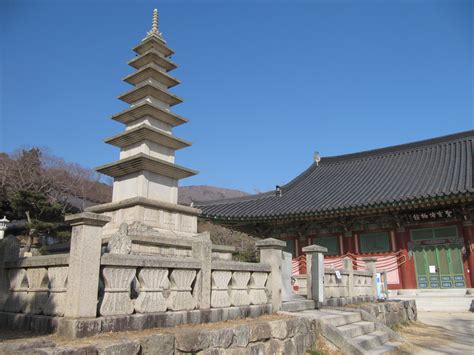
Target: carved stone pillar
(84, 264)
(370, 265)
(315, 273)
(271, 253)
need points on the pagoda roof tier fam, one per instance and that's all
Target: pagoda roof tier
(151, 71)
(152, 56)
(148, 109)
(146, 132)
(140, 162)
(148, 89)
(156, 43)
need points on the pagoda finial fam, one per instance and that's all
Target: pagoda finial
(154, 26)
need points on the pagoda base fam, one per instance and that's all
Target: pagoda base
(167, 218)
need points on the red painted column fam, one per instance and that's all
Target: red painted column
(347, 239)
(468, 233)
(407, 269)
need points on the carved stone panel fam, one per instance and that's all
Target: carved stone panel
(220, 289)
(18, 290)
(37, 290)
(117, 288)
(257, 288)
(239, 290)
(181, 297)
(154, 286)
(57, 288)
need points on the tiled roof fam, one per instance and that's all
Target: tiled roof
(423, 170)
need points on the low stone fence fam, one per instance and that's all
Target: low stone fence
(238, 284)
(342, 286)
(36, 285)
(277, 335)
(144, 284)
(110, 285)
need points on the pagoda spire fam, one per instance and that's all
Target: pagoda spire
(154, 26)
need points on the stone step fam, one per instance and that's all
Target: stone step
(371, 341)
(356, 329)
(297, 305)
(387, 348)
(338, 320)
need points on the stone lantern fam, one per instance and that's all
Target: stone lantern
(3, 226)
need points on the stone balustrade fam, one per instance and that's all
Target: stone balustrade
(37, 285)
(144, 284)
(138, 274)
(238, 283)
(339, 286)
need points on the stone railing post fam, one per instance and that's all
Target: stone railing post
(202, 250)
(271, 250)
(370, 265)
(349, 267)
(9, 251)
(84, 264)
(3, 276)
(315, 273)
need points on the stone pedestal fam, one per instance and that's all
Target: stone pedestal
(168, 218)
(84, 264)
(315, 272)
(271, 253)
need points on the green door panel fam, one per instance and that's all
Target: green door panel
(438, 247)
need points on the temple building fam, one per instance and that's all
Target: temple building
(145, 188)
(410, 205)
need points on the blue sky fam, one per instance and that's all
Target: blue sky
(265, 83)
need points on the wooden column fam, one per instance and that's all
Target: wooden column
(348, 243)
(468, 233)
(407, 269)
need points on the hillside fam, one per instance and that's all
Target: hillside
(202, 193)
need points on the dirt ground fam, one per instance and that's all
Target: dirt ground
(439, 333)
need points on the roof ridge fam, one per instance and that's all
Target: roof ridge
(398, 148)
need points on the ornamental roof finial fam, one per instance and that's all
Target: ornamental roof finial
(154, 26)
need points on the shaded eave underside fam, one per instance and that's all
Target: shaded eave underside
(144, 109)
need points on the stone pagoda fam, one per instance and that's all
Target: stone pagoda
(146, 177)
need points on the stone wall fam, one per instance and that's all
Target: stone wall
(393, 312)
(286, 335)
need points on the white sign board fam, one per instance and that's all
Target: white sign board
(432, 269)
(338, 275)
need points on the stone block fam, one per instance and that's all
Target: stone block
(221, 338)
(78, 328)
(115, 323)
(298, 342)
(25, 345)
(256, 349)
(241, 336)
(158, 344)
(124, 347)
(289, 348)
(274, 346)
(278, 329)
(192, 341)
(63, 350)
(259, 331)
